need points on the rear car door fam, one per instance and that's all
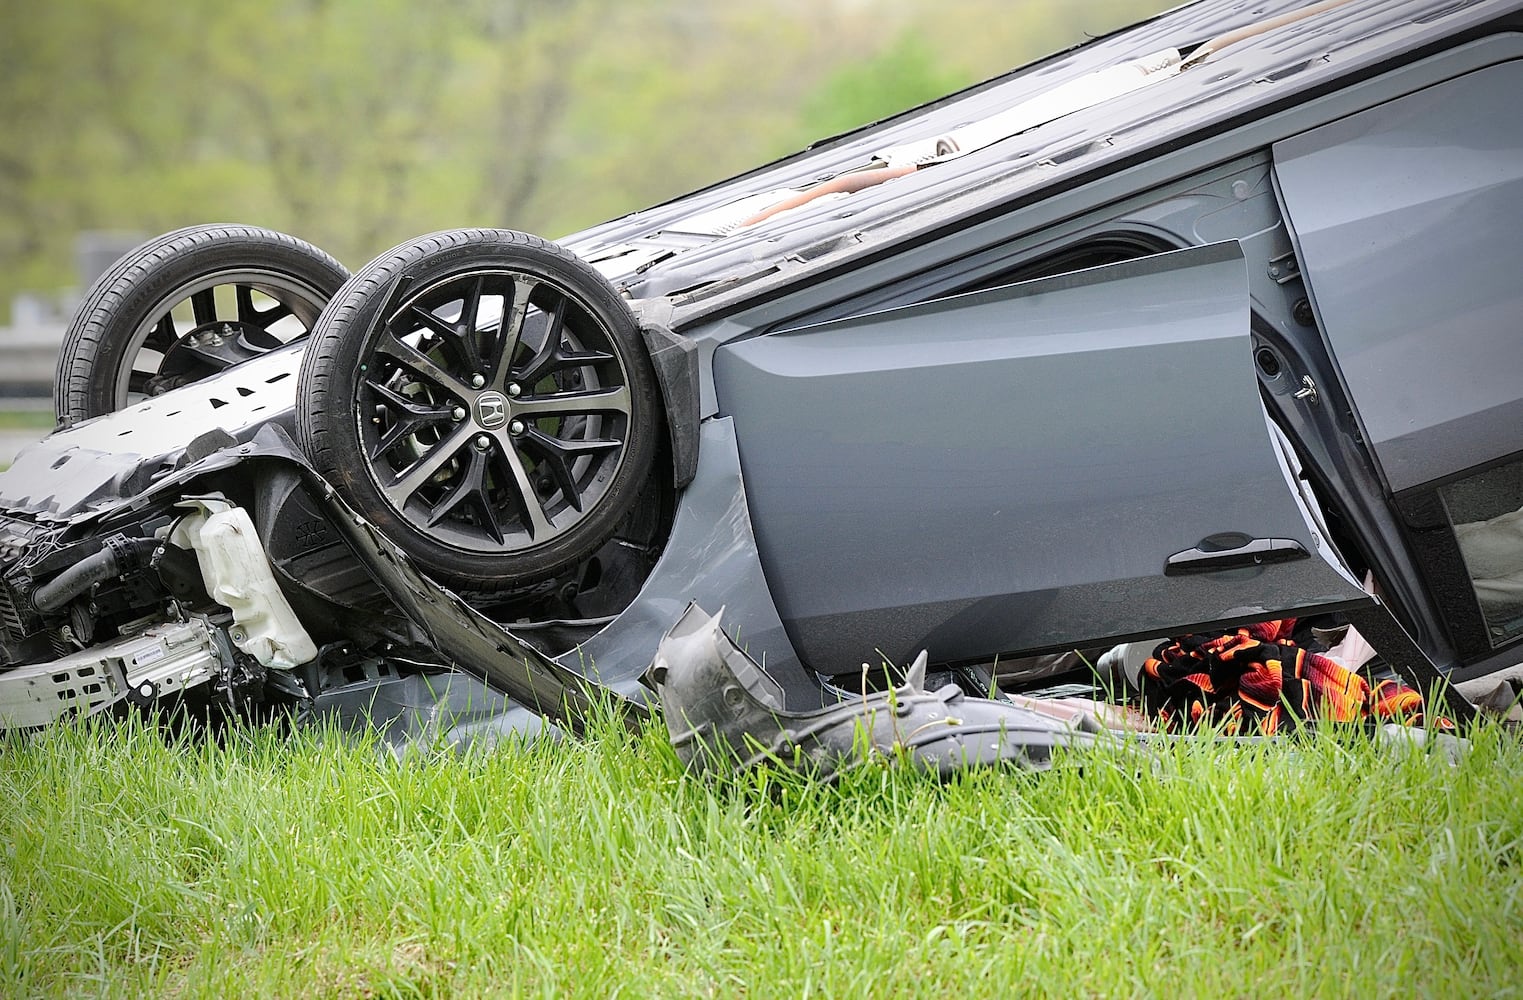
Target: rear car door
(1030, 467)
(1408, 223)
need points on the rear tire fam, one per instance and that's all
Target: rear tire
(186, 305)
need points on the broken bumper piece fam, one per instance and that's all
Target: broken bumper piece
(723, 710)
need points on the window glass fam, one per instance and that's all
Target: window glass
(1486, 511)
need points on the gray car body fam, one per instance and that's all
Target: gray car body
(1209, 162)
(883, 439)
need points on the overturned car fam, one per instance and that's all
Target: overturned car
(1204, 322)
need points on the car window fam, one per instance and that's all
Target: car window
(1486, 513)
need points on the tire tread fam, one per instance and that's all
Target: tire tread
(130, 283)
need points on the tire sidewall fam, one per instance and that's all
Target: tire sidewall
(348, 331)
(146, 281)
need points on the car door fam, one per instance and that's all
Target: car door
(1027, 467)
(1408, 226)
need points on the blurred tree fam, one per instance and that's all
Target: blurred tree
(526, 59)
(705, 97)
(68, 156)
(903, 75)
(359, 123)
(336, 102)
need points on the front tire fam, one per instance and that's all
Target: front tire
(486, 400)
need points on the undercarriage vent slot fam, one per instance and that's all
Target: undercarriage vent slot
(822, 248)
(9, 617)
(1285, 72)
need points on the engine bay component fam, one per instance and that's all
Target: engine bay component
(721, 707)
(164, 658)
(118, 555)
(237, 575)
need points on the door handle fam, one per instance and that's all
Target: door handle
(1254, 552)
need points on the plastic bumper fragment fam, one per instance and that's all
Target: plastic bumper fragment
(723, 710)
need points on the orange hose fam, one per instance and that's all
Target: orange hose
(1269, 24)
(846, 183)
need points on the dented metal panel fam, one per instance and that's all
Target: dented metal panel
(722, 710)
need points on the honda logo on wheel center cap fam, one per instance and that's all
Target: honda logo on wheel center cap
(491, 410)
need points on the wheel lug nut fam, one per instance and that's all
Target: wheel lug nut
(516, 427)
(478, 380)
(458, 413)
(483, 442)
(514, 389)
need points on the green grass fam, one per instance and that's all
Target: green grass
(137, 864)
(39, 420)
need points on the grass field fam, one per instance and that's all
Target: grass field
(137, 864)
(39, 419)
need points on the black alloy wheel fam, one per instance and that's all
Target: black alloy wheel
(485, 398)
(184, 306)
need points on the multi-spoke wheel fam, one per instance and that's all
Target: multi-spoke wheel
(485, 398)
(184, 306)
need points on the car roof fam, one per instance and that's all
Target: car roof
(701, 271)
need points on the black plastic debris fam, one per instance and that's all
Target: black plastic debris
(722, 709)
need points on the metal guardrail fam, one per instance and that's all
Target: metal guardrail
(27, 358)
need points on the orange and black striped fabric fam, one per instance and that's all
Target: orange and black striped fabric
(1257, 681)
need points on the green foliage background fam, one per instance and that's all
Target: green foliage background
(360, 123)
